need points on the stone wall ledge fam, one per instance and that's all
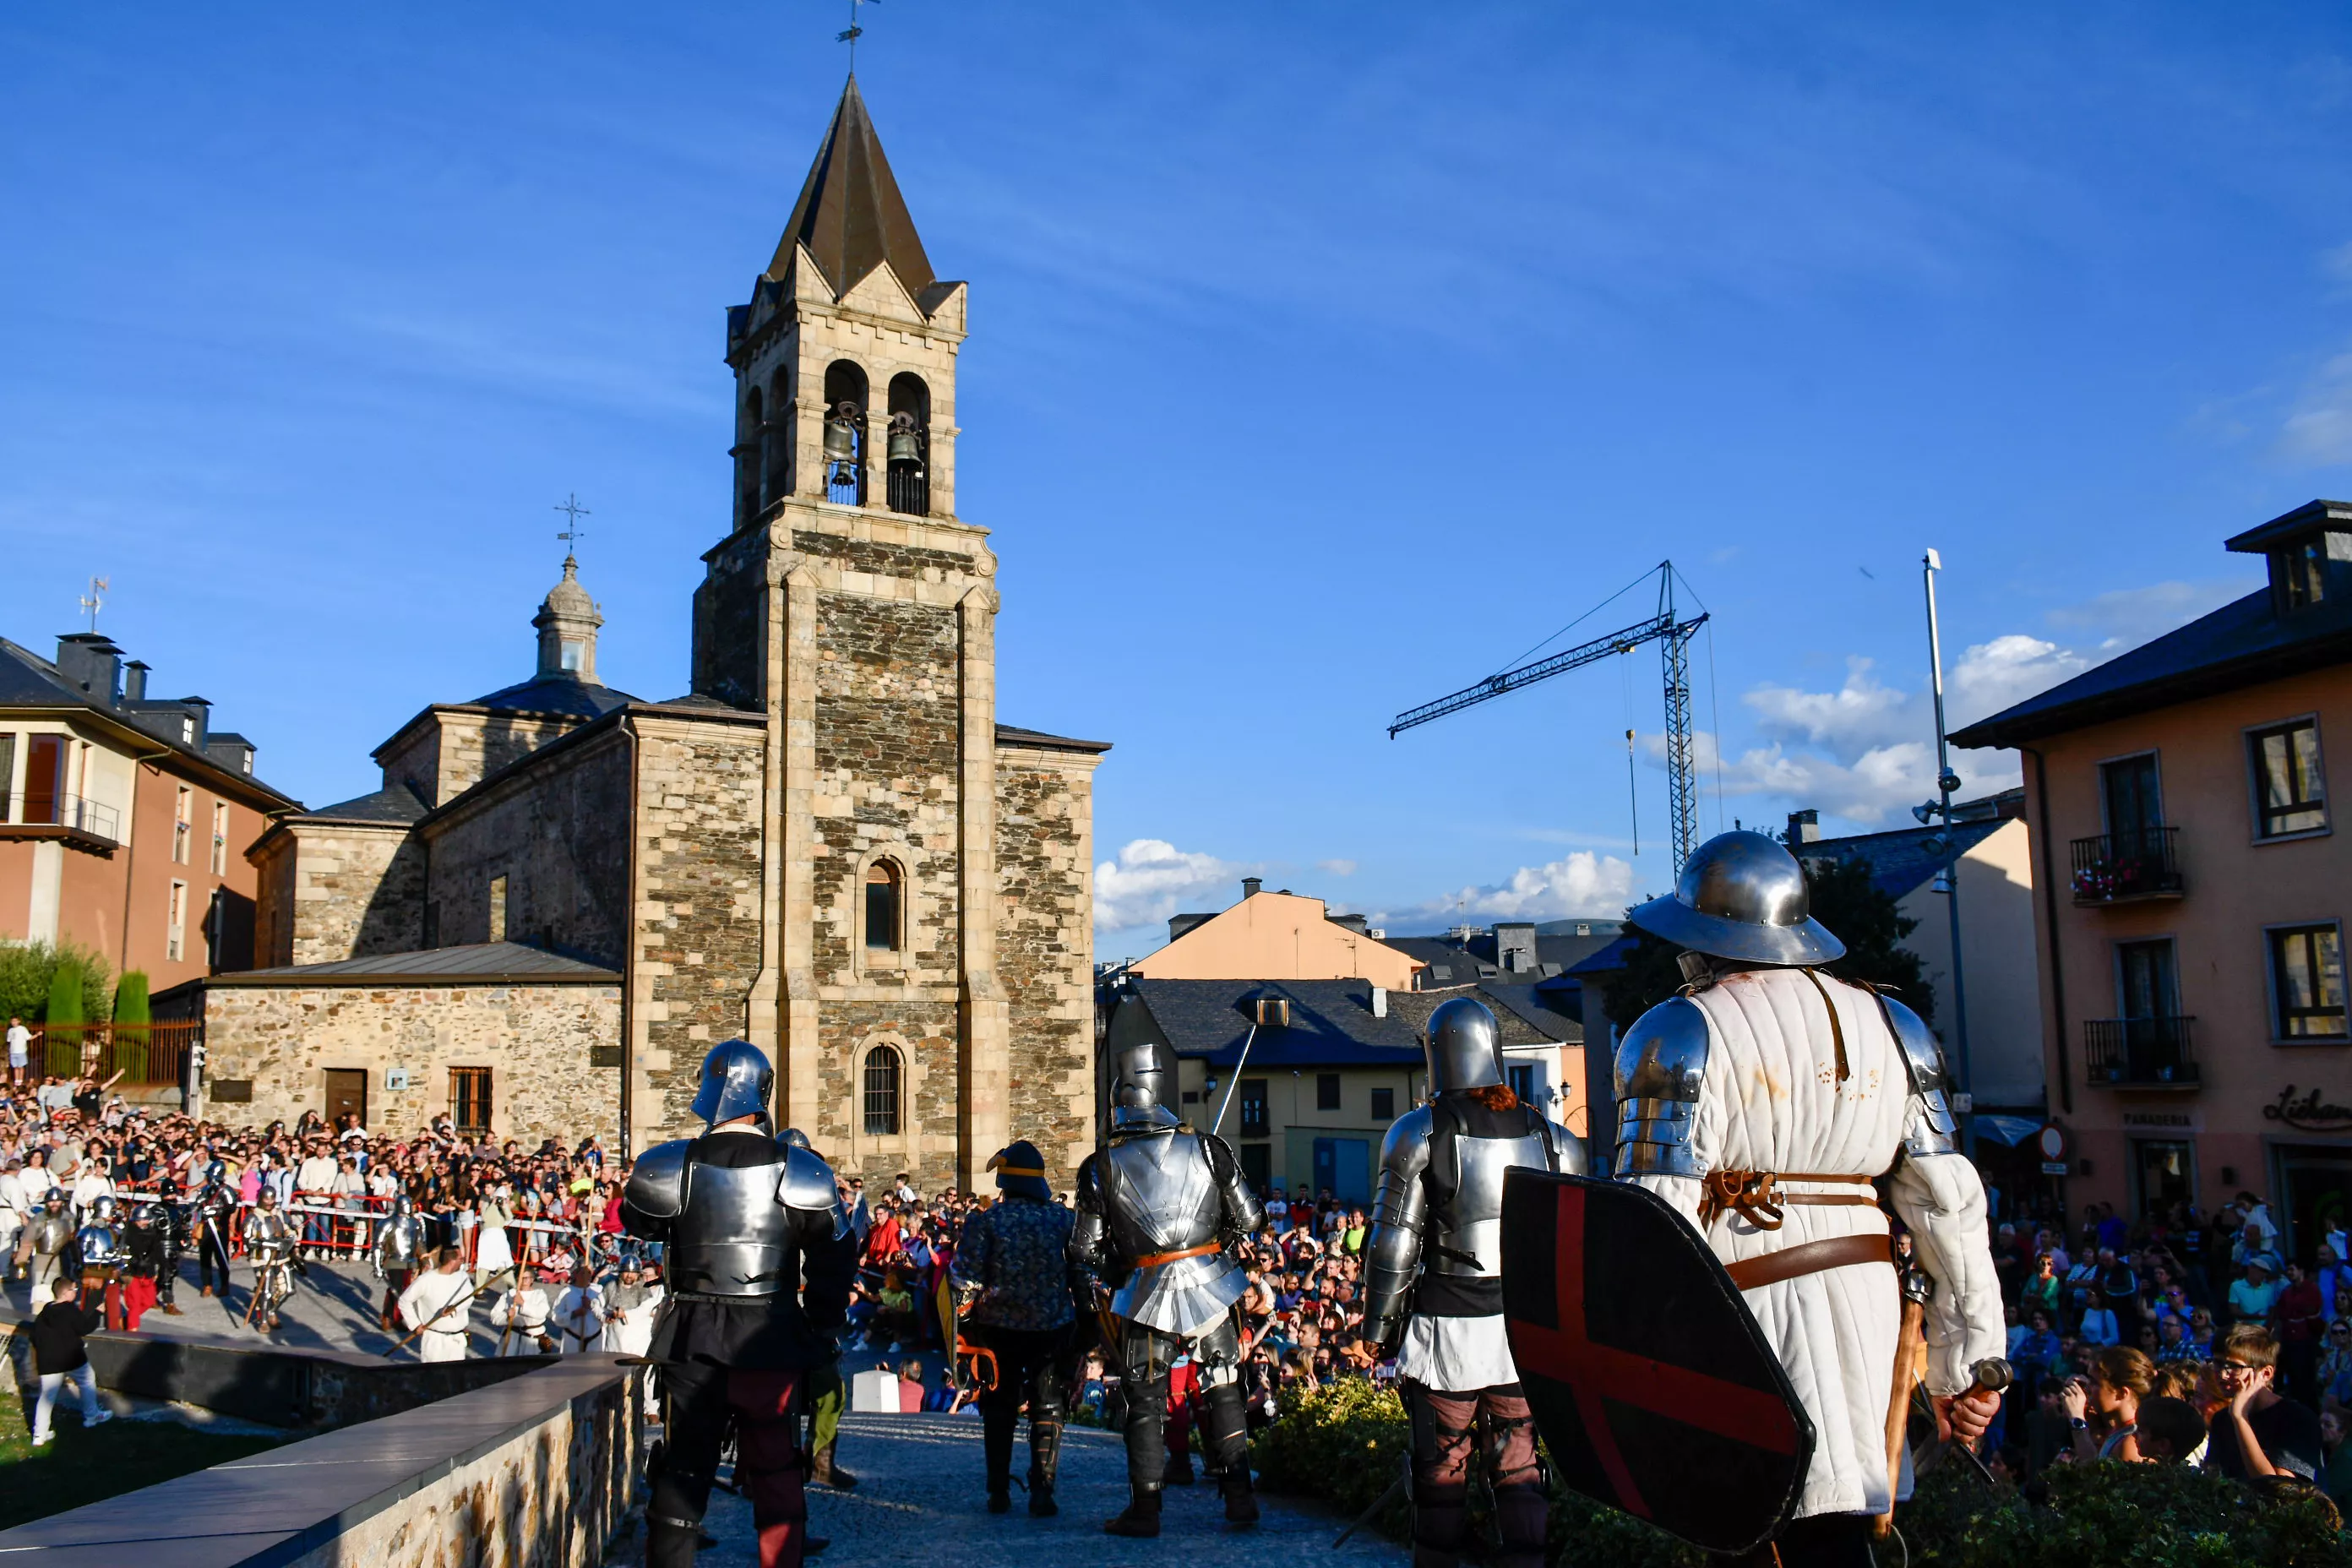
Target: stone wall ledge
(481, 1472)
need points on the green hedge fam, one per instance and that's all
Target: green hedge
(1346, 1443)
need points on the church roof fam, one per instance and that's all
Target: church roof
(568, 598)
(559, 694)
(396, 807)
(850, 215)
(1007, 735)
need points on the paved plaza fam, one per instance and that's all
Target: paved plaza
(919, 1490)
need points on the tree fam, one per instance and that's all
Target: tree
(1844, 898)
(26, 969)
(130, 1008)
(65, 1007)
(130, 999)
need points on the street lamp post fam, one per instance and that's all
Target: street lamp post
(1945, 783)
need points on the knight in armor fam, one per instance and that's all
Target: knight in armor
(760, 1263)
(1160, 1209)
(142, 1262)
(630, 1306)
(1763, 1102)
(1434, 1286)
(172, 1228)
(215, 1209)
(1013, 1288)
(269, 1240)
(52, 1240)
(399, 1254)
(98, 1243)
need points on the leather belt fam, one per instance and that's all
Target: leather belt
(1811, 1257)
(1756, 1196)
(1154, 1260)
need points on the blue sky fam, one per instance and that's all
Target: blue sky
(1324, 358)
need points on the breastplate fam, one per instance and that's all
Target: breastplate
(100, 1249)
(1162, 1196)
(1467, 1238)
(731, 1236)
(50, 1234)
(401, 1239)
(266, 1235)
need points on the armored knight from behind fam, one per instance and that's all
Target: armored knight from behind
(1159, 1209)
(760, 1266)
(1434, 1286)
(1762, 1103)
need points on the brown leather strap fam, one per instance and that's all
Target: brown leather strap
(1812, 1258)
(1837, 1030)
(1154, 1260)
(1756, 1195)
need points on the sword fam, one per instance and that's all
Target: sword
(1404, 1476)
(1235, 1083)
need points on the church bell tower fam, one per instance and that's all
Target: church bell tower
(853, 609)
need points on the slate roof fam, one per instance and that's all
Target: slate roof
(563, 695)
(1601, 961)
(397, 805)
(1007, 735)
(1454, 963)
(1331, 1022)
(1900, 862)
(28, 680)
(482, 963)
(850, 215)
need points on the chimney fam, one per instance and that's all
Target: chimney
(135, 681)
(1514, 946)
(90, 663)
(1805, 827)
(1379, 1001)
(1250, 886)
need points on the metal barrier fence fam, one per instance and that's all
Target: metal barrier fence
(347, 1227)
(144, 1054)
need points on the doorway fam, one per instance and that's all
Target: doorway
(2317, 1181)
(1343, 1167)
(2134, 806)
(346, 1096)
(2163, 1173)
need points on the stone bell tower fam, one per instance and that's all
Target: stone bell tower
(852, 609)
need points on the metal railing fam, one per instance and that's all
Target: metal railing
(68, 811)
(2113, 866)
(2149, 1053)
(143, 1053)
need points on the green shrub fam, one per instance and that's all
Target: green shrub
(1344, 1444)
(28, 969)
(130, 999)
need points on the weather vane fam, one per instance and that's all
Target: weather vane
(95, 600)
(571, 533)
(851, 34)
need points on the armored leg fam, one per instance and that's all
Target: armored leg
(1049, 1392)
(1442, 1425)
(769, 1465)
(1147, 1355)
(694, 1425)
(1522, 1514)
(1224, 1422)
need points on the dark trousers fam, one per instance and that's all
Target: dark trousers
(1446, 1425)
(168, 1277)
(1035, 1367)
(770, 1469)
(1819, 1540)
(395, 1281)
(212, 1256)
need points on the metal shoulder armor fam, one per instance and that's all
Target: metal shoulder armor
(1928, 1126)
(656, 1191)
(1660, 1063)
(807, 1183)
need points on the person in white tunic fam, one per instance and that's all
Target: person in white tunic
(1437, 1241)
(522, 1311)
(629, 1309)
(436, 1302)
(1761, 1103)
(579, 1315)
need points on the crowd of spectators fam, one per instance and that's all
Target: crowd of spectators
(2180, 1339)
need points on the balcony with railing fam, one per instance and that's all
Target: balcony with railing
(2127, 868)
(72, 818)
(2140, 1053)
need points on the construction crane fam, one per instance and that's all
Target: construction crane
(1673, 636)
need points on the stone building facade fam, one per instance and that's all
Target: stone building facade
(829, 846)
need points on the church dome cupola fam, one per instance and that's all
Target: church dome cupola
(567, 623)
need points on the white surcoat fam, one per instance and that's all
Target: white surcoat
(1771, 1100)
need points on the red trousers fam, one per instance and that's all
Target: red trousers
(138, 1298)
(768, 1462)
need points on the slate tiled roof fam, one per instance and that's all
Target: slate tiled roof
(1006, 735)
(1900, 862)
(850, 215)
(562, 694)
(483, 963)
(396, 807)
(28, 680)
(1331, 1022)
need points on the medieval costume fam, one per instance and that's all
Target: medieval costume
(1437, 1242)
(398, 1254)
(1762, 1103)
(1012, 1283)
(437, 1307)
(1159, 1206)
(756, 1247)
(269, 1239)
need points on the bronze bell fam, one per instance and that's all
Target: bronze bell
(906, 441)
(841, 435)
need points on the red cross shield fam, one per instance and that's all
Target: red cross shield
(1654, 1388)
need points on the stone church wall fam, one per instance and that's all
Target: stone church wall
(446, 750)
(559, 835)
(731, 626)
(272, 1045)
(698, 930)
(331, 891)
(1044, 948)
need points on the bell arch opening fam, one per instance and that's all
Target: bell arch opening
(845, 392)
(909, 452)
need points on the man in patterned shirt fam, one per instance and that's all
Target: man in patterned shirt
(1013, 1280)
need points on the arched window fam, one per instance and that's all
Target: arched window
(882, 1077)
(844, 433)
(885, 907)
(909, 445)
(746, 457)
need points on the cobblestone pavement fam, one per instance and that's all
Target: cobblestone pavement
(919, 1494)
(333, 1308)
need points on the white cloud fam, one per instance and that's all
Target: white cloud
(1152, 879)
(1336, 867)
(2130, 617)
(2319, 430)
(1583, 883)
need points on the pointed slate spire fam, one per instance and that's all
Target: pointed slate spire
(850, 215)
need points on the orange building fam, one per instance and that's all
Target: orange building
(125, 819)
(2192, 893)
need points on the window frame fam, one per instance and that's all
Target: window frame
(894, 877)
(459, 1099)
(2251, 736)
(1331, 1091)
(897, 1067)
(2275, 997)
(1253, 1094)
(219, 861)
(183, 825)
(2099, 775)
(1383, 1102)
(175, 922)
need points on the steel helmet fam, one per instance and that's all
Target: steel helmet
(1742, 896)
(103, 1208)
(1465, 1048)
(736, 1081)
